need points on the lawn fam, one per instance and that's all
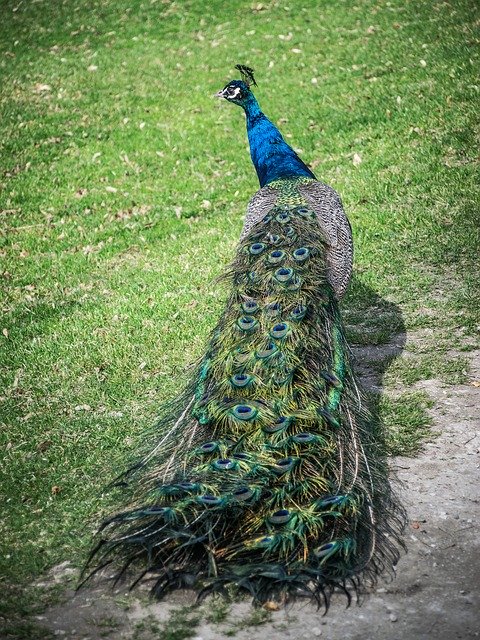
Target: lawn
(123, 184)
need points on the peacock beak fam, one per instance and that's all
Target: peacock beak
(220, 94)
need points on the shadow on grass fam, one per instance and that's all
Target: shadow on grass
(376, 332)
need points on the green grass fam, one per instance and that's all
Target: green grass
(122, 190)
(408, 420)
(181, 625)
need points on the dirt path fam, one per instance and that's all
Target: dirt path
(435, 594)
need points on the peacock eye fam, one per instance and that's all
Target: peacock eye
(234, 92)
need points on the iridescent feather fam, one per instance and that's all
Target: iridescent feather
(267, 473)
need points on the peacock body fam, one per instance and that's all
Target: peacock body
(268, 473)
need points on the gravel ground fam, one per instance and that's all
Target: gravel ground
(435, 593)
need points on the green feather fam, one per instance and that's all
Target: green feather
(266, 474)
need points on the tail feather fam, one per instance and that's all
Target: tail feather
(268, 473)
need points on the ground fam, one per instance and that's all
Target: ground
(123, 186)
(434, 594)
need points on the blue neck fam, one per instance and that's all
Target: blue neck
(272, 157)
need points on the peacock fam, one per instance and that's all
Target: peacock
(268, 475)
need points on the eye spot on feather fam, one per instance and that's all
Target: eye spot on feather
(249, 306)
(295, 283)
(277, 256)
(209, 500)
(224, 464)
(208, 447)
(178, 488)
(329, 419)
(187, 486)
(279, 425)
(332, 379)
(301, 254)
(157, 510)
(305, 213)
(243, 493)
(273, 238)
(256, 248)
(330, 501)
(241, 380)
(327, 549)
(284, 465)
(299, 312)
(283, 218)
(265, 541)
(279, 331)
(270, 349)
(302, 438)
(282, 516)
(273, 309)
(284, 274)
(246, 323)
(244, 412)
(241, 456)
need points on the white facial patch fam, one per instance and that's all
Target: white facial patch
(233, 93)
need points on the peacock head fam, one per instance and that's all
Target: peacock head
(238, 91)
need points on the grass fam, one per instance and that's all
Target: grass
(408, 420)
(122, 191)
(181, 625)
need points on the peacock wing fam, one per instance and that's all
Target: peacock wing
(327, 205)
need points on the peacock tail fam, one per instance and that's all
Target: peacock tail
(268, 473)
